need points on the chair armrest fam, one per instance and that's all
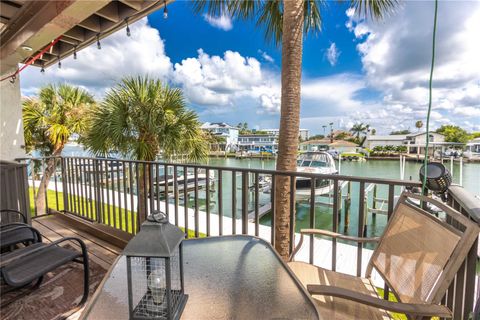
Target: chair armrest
(18, 213)
(19, 226)
(335, 235)
(331, 234)
(5, 226)
(413, 309)
(4, 262)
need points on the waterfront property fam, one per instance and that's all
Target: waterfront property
(107, 213)
(415, 142)
(225, 131)
(341, 146)
(303, 134)
(473, 149)
(257, 143)
(229, 247)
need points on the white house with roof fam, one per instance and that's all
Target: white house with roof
(302, 133)
(230, 133)
(257, 142)
(415, 142)
(473, 148)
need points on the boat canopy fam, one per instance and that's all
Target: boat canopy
(315, 159)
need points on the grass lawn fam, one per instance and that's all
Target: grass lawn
(113, 216)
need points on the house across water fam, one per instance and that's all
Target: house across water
(222, 129)
(415, 142)
(341, 146)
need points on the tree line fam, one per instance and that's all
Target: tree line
(139, 118)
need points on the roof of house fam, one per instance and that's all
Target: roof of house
(316, 141)
(343, 143)
(392, 137)
(256, 135)
(422, 133)
(335, 143)
(208, 125)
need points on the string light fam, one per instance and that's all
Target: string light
(99, 46)
(75, 52)
(42, 71)
(59, 62)
(128, 28)
(165, 10)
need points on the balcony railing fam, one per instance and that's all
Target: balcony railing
(212, 200)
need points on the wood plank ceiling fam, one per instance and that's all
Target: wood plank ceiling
(99, 19)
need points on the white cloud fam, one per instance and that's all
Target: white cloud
(97, 70)
(215, 80)
(266, 56)
(467, 111)
(396, 57)
(332, 54)
(222, 22)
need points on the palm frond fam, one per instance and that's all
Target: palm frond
(374, 9)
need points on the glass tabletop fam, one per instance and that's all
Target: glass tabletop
(229, 277)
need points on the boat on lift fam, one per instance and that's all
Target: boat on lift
(319, 162)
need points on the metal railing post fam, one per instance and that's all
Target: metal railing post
(66, 207)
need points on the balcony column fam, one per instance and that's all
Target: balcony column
(12, 143)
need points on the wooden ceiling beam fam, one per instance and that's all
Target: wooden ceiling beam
(92, 23)
(134, 4)
(110, 12)
(77, 33)
(8, 9)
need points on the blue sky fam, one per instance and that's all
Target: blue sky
(353, 70)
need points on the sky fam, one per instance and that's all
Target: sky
(354, 70)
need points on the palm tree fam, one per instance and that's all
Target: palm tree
(49, 121)
(286, 22)
(359, 128)
(419, 124)
(141, 117)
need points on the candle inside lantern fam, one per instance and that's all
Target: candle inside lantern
(156, 284)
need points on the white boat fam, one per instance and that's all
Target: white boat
(319, 162)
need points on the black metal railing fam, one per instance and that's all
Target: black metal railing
(213, 200)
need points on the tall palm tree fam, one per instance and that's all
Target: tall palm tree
(49, 121)
(359, 128)
(141, 117)
(286, 22)
(419, 125)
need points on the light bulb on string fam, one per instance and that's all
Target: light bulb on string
(59, 62)
(128, 28)
(75, 52)
(99, 46)
(165, 11)
(42, 71)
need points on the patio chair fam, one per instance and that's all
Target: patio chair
(14, 230)
(27, 265)
(417, 256)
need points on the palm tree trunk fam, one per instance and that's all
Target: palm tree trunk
(292, 42)
(40, 204)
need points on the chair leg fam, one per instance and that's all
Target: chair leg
(38, 283)
(86, 278)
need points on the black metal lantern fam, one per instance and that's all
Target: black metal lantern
(438, 177)
(155, 270)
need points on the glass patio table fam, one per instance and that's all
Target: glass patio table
(226, 277)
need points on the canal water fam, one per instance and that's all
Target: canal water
(388, 169)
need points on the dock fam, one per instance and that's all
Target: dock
(262, 210)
